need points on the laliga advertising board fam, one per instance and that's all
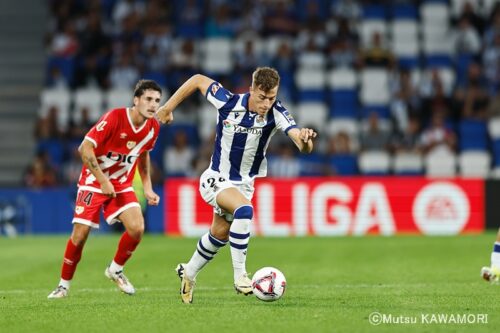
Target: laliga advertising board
(343, 206)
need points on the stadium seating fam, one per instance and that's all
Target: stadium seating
(406, 164)
(474, 163)
(90, 99)
(441, 163)
(374, 162)
(320, 91)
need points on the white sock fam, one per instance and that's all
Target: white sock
(495, 255)
(239, 235)
(206, 249)
(65, 283)
(114, 267)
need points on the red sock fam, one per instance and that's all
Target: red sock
(126, 246)
(72, 256)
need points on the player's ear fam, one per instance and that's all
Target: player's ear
(136, 100)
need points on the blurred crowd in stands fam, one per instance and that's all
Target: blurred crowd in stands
(392, 87)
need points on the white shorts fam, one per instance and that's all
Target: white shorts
(212, 183)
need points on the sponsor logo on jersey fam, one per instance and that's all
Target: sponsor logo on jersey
(249, 130)
(79, 209)
(289, 117)
(131, 144)
(215, 88)
(260, 120)
(121, 157)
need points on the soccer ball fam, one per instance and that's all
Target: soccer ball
(268, 284)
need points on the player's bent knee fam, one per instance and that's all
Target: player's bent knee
(243, 212)
(80, 234)
(136, 231)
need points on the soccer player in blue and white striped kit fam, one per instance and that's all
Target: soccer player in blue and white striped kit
(245, 125)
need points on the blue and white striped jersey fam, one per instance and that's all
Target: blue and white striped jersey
(242, 136)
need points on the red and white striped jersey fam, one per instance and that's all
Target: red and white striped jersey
(117, 145)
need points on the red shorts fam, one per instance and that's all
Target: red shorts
(88, 206)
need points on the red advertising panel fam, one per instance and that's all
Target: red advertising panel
(337, 207)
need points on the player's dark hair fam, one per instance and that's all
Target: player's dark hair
(144, 85)
(265, 78)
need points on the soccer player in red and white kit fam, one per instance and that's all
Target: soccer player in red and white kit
(111, 150)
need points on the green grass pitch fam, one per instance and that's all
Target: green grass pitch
(333, 286)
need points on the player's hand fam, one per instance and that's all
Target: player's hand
(307, 134)
(152, 197)
(165, 115)
(108, 189)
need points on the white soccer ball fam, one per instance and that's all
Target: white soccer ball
(268, 284)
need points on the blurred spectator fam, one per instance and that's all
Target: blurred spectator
(185, 62)
(79, 126)
(377, 55)
(49, 143)
(40, 174)
(251, 18)
(190, 19)
(407, 141)
(72, 168)
(469, 13)
(437, 136)
(349, 9)
(280, 19)
(65, 42)
(374, 137)
(491, 65)
(202, 159)
(466, 39)
(342, 53)
(340, 29)
(95, 53)
(284, 62)
(435, 96)
(313, 29)
(157, 48)
(124, 74)
(405, 99)
(178, 157)
(284, 164)
(472, 99)
(340, 144)
(124, 8)
(494, 29)
(494, 106)
(247, 58)
(222, 23)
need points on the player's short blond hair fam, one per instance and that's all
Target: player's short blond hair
(265, 78)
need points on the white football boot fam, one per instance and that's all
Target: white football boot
(59, 292)
(121, 281)
(243, 285)
(491, 274)
(187, 285)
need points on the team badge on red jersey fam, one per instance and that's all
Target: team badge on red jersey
(79, 209)
(131, 144)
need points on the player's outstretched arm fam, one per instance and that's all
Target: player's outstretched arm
(196, 82)
(303, 138)
(144, 165)
(87, 154)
